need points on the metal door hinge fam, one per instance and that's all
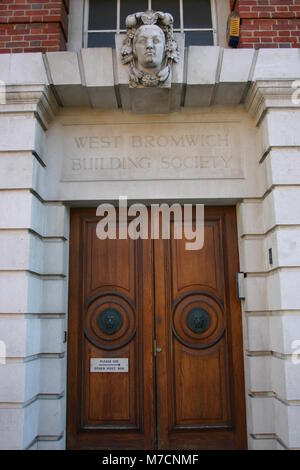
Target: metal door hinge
(65, 336)
(240, 281)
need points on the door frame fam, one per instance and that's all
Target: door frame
(231, 230)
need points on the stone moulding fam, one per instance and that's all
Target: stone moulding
(97, 78)
(38, 99)
(266, 94)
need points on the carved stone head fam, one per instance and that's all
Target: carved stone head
(149, 48)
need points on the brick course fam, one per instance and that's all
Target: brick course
(33, 25)
(42, 25)
(269, 23)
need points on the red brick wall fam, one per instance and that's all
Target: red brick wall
(42, 25)
(269, 23)
(33, 25)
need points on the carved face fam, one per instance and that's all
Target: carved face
(149, 47)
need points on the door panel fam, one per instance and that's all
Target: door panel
(200, 267)
(123, 295)
(110, 316)
(200, 387)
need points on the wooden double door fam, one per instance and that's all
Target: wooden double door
(155, 356)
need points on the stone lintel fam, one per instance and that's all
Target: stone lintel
(95, 78)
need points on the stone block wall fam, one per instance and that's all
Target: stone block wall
(271, 308)
(33, 278)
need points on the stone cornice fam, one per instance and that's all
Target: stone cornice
(37, 99)
(42, 100)
(266, 94)
(96, 78)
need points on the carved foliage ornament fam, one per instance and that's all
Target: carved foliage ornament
(149, 48)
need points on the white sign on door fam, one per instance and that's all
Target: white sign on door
(111, 364)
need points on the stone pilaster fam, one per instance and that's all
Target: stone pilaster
(270, 257)
(33, 276)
